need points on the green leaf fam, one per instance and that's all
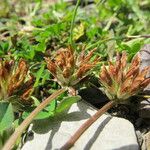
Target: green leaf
(38, 75)
(30, 53)
(36, 101)
(6, 116)
(45, 76)
(41, 115)
(136, 47)
(78, 32)
(47, 112)
(52, 106)
(44, 114)
(4, 46)
(40, 47)
(132, 46)
(66, 103)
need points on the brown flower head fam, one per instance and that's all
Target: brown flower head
(122, 80)
(13, 80)
(69, 67)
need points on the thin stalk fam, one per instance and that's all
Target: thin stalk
(100, 42)
(110, 22)
(137, 36)
(18, 131)
(116, 38)
(86, 125)
(72, 22)
(144, 96)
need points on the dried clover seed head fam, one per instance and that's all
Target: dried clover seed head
(122, 80)
(69, 67)
(13, 80)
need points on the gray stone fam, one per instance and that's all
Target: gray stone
(139, 137)
(144, 111)
(107, 133)
(146, 142)
(145, 102)
(145, 61)
(145, 53)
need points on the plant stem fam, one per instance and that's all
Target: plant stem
(72, 22)
(100, 42)
(12, 140)
(144, 96)
(116, 38)
(86, 125)
(137, 36)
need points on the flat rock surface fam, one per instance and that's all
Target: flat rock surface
(144, 111)
(146, 142)
(145, 60)
(107, 133)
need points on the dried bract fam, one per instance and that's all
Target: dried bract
(69, 67)
(122, 80)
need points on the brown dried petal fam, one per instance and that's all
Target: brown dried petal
(118, 64)
(9, 65)
(126, 85)
(139, 80)
(124, 60)
(135, 86)
(51, 66)
(141, 75)
(132, 72)
(145, 83)
(60, 60)
(71, 61)
(112, 70)
(119, 77)
(104, 75)
(89, 55)
(4, 69)
(66, 72)
(83, 70)
(22, 69)
(145, 71)
(135, 61)
(18, 78)
(82, 55)
(27, 93)
(28, 83)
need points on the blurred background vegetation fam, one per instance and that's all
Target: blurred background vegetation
(30, 27)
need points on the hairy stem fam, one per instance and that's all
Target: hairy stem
(86, 125)
(18, 131)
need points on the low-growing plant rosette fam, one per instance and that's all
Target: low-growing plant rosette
(121, 80)
(16, 85)
(69, 67)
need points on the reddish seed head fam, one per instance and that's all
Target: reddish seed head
(126, 79)
(13, 80)
(70, 65)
